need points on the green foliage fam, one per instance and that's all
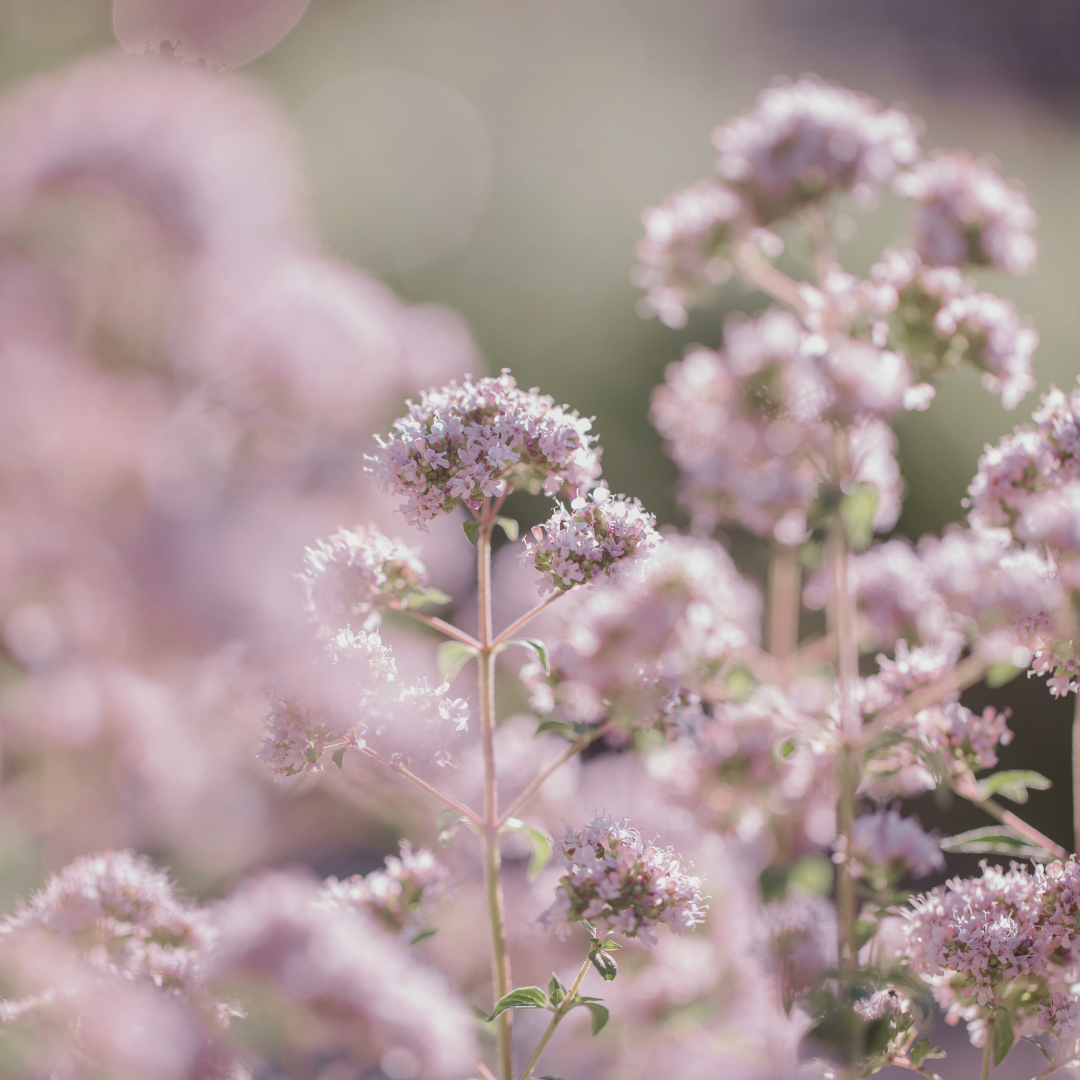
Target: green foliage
(539, 840)
(452, 657)
(1013, 784)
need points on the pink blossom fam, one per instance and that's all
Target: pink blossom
(886, 839)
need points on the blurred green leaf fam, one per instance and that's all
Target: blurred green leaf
(539, 840)
(1000, 673)
(472, 529)
(427, 595)
(857, 509)
(1013, 784)
(452, 657)
(508, 526)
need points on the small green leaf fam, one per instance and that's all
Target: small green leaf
(555, 725)
(525, 997)
(1039, 1046)
(604, 964)
(917, 1054)
(740, 683)
(472, 529)
(600, 1015)
(1013, 784)
(508, 526)
(537, 647)
(1004, 1037)
(338, 754)
(539, 840)
(427, 595)
(447, 824)
(452, 657)
(556, 990)
(992, 840)
(857, 509)
(812, 874)
(1000, 673)
(423, 935)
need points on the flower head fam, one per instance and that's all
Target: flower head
(464, 443)
(598, 533)
(354, 572)
(617, 879)
(967, 213)
(685, 247)
(895, 843)
(805, 140)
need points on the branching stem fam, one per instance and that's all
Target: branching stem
(445, 628)
(556, 1019)
(517, 624)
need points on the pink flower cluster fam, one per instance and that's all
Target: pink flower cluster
(354, 572)
(623, 883)
(895, 843)
(1006, 941)
(347, 697)
(410, 883)
(678, 618)
(968, 213)
(483, 439)
(747, 425)
(942, 319)
(685, 247)
(807, 139)
(598, 533)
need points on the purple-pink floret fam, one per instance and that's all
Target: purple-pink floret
(622, 883)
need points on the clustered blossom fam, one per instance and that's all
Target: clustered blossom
(467, 442)
(805, 140)
(622, 883)
(679, 618)
(372, 997)
(683, 252)
(125, 914)
(747, 425)
(943, 320)
(801, 942)
(348, 697)
(410, 883)
(598, 533)
(895, 843)
(354, 572)
(968, 213)
(1003, 941)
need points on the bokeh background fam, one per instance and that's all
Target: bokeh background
(495, 155)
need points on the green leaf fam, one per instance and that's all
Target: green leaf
(508, 526)
(857, 509)
(338, 754)
(447, 824)
(812, 874)
(1000, 673)
(539, 840)
(423, 935)
(556, 990)
(1013, 784)
(1004, 1037)
(452, 657)
(604, 964)
(537, 647)
(992, 840)
(426, 595)
(555, 725)
(525, 997)
(1039, 1046)
(917, 1054)
(472, 529)
(600, 1015)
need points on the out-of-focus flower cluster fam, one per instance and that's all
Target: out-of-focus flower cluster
(623, 883)
(481, 439)
(598, 533)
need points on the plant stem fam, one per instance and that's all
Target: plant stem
(448, 801)
(967, 788)
(988, 1049)
(1076, 773)
(500, 956)
(445, 628)
(785, 581)
(768, 279)
(556, 1018)
(529, 615)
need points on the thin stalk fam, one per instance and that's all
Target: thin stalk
(517, 624)
(444, 628)
(768, 279)
(988, 1049)
(1076, 773)
(967, 787)
(785, 581)
(575, 747)
(1050, 1070)
(500, 956)
(920, 1069)
(556, 1018)
(967, 673)
(447, 800)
